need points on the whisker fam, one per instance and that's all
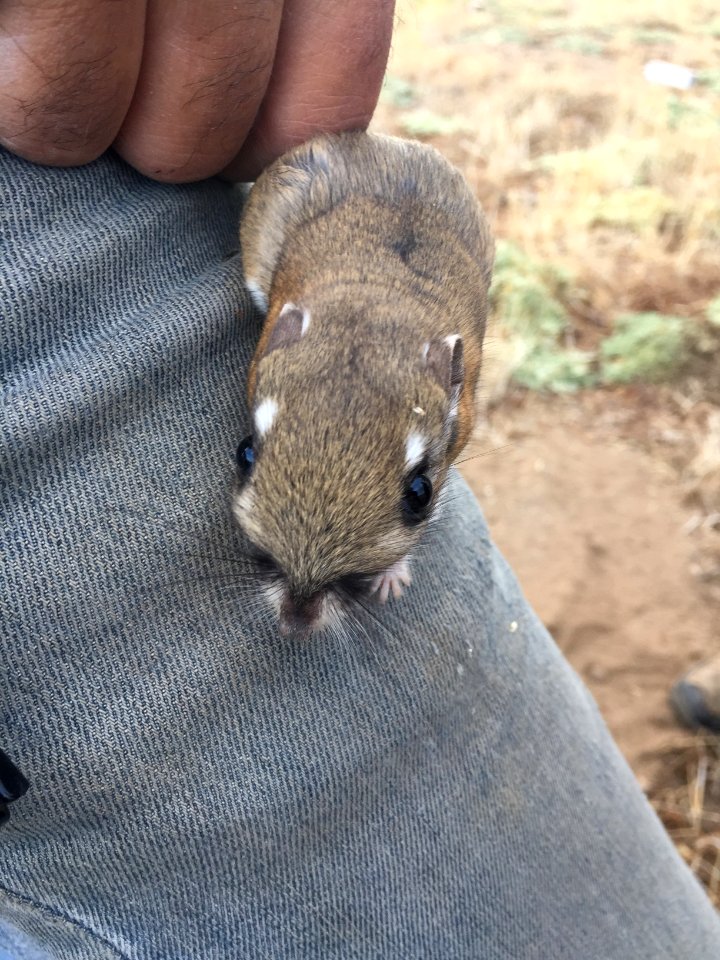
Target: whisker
(375, 617)
(222, 578)
(483, 453)
(334, 627)
(239, 559)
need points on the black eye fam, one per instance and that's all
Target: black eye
(245, 457)
(416, 499)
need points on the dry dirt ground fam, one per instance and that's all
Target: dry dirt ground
(598, 532)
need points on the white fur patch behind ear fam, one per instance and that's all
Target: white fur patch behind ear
(256, 295)
(456, 375)
(265, 415)
(415, 448)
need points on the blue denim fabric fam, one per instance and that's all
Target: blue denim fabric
(439, 786)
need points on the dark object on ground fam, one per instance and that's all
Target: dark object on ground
(696, 697)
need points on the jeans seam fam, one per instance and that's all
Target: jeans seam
(57, 914)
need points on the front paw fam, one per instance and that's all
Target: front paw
(395, 578)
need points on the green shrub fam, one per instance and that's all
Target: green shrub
(529, 300)
(526, 294)
(713, 312)
(398, 92)
(423, 122)
(643, 346)
(556, 369)
(582, 43)
(527, 297)
(638, 208)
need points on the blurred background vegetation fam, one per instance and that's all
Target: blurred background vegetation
(604, 191)
(598, 457)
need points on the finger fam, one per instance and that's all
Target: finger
(67, 75)
(204, 73)
(329, 65)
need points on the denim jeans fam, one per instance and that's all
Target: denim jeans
(438, 786)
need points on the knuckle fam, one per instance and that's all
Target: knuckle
(199, 130)
(66, 114)
(169, 160)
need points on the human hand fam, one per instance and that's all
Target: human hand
(184, 90)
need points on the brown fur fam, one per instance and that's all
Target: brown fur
(383, 242)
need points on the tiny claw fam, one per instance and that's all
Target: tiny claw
(393, 579)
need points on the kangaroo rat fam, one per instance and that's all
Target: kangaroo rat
(372, 259)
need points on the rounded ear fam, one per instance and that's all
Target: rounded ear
(445, 363)
(291, 325)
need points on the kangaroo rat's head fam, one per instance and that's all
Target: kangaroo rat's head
(349, 451)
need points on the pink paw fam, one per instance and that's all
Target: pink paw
(394, 578)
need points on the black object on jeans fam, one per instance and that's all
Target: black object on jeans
(12, 785)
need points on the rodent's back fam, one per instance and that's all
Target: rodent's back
(325, 173)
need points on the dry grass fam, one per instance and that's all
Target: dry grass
(701, 486)
(577, 158)
(703, 471)
(687, 800)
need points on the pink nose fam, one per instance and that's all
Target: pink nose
(299, 617)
